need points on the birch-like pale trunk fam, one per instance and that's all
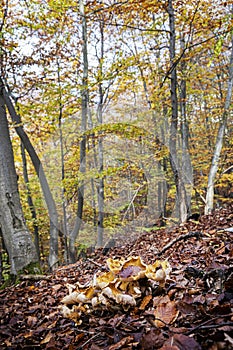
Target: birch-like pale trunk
(100, 223)
(17, 239)
(209, 205)
(82, 168)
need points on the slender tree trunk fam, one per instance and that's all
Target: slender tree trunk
(30, 202)
(53, 253)
(85, 96)
(91, 144)
(187, 170)
(63, 190)
(181, 199)
(17, 239)
(100, 226)
(219, 140)
(1, 258)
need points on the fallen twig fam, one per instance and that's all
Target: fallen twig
(205, 325)
(34, 277)
(211, 326)
(90, 340)
(196, 234)
(95, 263)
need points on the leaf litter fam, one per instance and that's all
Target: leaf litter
(169, 289)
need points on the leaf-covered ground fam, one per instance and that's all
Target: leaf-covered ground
(193, 310)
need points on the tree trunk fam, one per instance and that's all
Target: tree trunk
(30, 201)
(219, 140)
(1, 258)
(64, 240)
(186, 167)
(100, 226)
(53, 253)
(17, 238)
(82, 168)
(181, 198)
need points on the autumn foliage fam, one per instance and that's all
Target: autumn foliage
(117, 112)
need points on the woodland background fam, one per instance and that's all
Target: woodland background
(127, 108)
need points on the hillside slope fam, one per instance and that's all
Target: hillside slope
(193, 309)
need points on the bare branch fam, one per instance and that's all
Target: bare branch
(196, 234)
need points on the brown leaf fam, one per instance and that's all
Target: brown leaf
(183, 342)
(152, 339)
(56, 287)
(122, 342)
(79, 337)
(166, 312)
(95, 347)
(185, 308)
(228, 285)
(31, 321)
(47, 338)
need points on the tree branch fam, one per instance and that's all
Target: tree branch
(196, 234)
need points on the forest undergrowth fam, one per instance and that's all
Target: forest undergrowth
(191, 309)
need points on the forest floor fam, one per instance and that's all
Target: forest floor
(192, 309)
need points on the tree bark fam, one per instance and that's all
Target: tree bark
(30, 201)
(82, 168)
(64, 239)
(17, 238)
(219, 140)
(181, 198)
(186, 164)
(100, 225)
(53, 253)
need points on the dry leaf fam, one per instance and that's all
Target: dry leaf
(145, 302)
(166, 312)
(47, 338)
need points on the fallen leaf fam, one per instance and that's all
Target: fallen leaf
(31, 321)
(47, 338)
(145, 302)
(153, 339)
(183, 342)
(121, 343)
(165, 313)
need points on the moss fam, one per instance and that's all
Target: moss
(31, 269)
(7, 283)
